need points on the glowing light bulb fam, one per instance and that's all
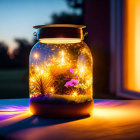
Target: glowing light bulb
(36, 55)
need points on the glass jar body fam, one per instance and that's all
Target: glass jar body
(60, 74)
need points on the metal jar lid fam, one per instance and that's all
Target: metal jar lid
(60, 31)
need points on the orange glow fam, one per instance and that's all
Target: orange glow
(117, 111)
(131, 50)
(111, 119)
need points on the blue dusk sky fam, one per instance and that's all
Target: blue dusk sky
(17, 17)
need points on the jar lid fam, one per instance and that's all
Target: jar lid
(59, 31)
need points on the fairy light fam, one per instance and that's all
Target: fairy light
(74, 94)
(52, 89)
(36, 55)
(62, 59)
(62, 53)
(89, 81)
(49, 70)
(32, 79)
(37, 69)
(81, 71)
(42, 71)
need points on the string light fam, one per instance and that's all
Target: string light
(49, 72)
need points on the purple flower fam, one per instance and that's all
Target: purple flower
(71, 70)
(71, 83)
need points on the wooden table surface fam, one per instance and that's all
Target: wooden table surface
(110, 120)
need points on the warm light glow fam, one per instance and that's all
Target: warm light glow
(32, 79)
(52, 89)
(62, 59)
(36, 55)
(74, 93)
(132, 46)
(111, 119)
(60, 40)
(119, 111)
(63, 74)
(137, 46)
(30, 112)
(42, 71)
(82, 69)
(37, 69)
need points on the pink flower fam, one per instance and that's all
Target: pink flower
(71, 83)
(75, 82)
(76, 77)
(67, 84)
(71, 70)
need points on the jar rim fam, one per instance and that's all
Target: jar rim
(60, 25)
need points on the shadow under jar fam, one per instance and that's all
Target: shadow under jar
(60, 72)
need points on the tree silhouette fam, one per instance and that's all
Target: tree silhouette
(77, 4)
(70, 18)
(21, 54)
(66, 18)
(5, 60)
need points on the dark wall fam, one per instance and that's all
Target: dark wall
(97, 20)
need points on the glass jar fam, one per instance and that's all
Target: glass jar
(60, 72)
